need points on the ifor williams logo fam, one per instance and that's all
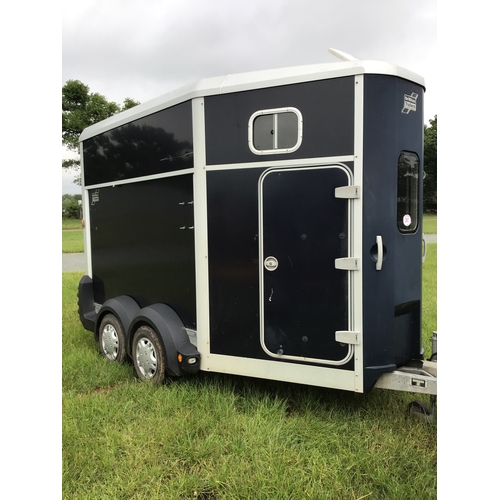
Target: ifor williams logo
(410, 103)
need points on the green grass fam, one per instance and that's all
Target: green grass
(429, 296)
(72, 241)
(72, 236)
(71, 224)
(214, 436)
(430, 223)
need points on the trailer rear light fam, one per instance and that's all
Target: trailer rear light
(190, 361)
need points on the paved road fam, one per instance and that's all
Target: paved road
(73, 262)
(76, 261)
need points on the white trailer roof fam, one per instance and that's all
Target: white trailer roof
(249, 81)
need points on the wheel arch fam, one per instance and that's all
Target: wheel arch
(125, 309)
(167, 324)
(86, 308)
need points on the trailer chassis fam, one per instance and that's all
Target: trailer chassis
(419, 377)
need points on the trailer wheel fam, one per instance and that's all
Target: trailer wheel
(148, 355)
(419, 411)
(112, 339)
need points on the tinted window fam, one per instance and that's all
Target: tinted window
(275, 131)
(288, 126)
(263, 132)
(408, 169)
(158, 143)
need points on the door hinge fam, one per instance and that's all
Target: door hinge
(347, 192)
(347, 337)
(348, 264)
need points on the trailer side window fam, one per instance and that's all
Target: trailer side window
(407, 212)
(273, 131)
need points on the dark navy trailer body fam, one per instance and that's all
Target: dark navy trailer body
(277, 214)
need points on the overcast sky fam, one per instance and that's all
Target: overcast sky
(145, 48)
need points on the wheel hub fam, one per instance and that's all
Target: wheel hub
(146, 358)
(110, 342)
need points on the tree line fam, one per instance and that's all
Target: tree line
(72, 206)
(82, 108)
(430, 165)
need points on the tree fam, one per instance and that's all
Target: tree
(80, 109)
(430, 165)
(129, 103)
(71, 206)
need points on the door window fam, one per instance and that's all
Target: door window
(407, 212)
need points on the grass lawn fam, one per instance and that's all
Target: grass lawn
(71, 224)
(72, 236)
(215, 436)
(72, 241)
(430, 224)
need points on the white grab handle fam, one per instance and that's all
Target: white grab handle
(380, 253)
(424, 239)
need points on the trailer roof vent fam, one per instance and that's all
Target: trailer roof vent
(342, 55)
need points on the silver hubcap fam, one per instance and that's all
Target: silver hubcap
(110, 342)
(145, 357)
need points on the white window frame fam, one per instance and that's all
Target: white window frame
(275, 112)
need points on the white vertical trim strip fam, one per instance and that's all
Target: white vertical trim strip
(86, 217)
(357, 232)
(275, 127)
(201, 232)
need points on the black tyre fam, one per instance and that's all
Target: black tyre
(148, 355)
(418, 407)
(112, 339)
(417, 410)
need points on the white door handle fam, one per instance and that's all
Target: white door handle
(424, 241)
(380, 253)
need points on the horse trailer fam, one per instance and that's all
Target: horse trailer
(265, 224)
